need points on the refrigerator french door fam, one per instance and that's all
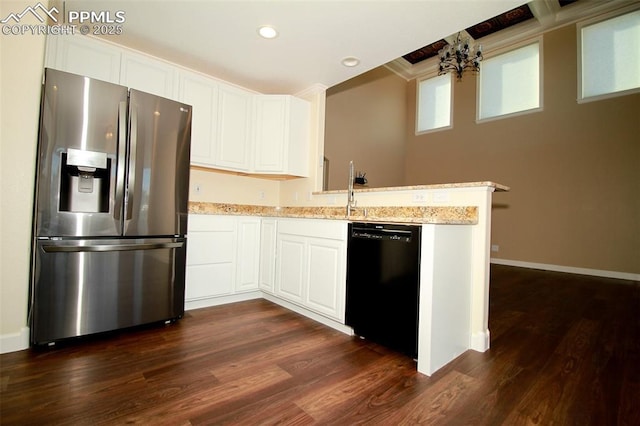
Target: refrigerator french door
(111, 205)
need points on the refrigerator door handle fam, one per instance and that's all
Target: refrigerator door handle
(122, 152)
(55, 248)
(133, 148)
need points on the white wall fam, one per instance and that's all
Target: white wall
(21, 63)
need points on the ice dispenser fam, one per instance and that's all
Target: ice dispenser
(84, 185)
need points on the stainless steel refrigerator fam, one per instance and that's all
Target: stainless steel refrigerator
(110, 220)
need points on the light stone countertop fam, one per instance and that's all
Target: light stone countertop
(452, 215)
(358, 188)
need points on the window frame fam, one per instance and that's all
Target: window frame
(418, 103)
(586, 23)
(505, 50)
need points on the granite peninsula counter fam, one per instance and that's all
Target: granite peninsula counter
(455, 215)
(401, 212)
(438, 186)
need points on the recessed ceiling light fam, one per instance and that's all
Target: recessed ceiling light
(350, 61)
(267, 32)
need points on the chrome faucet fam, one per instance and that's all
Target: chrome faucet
(351, 201)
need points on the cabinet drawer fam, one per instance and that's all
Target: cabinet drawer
(209, 280)
(322, 228)
(210, 247)
(205, 222)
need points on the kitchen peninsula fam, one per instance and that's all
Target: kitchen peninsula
(454, 283)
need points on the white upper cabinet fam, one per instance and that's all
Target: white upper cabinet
(281, 136)
(84, 56)
(232, 128)
(233, 147)
(202, 94)
(148, 75)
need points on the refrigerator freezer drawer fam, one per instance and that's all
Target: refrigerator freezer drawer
(89, 286)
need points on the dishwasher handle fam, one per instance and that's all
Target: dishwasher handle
(400, 233)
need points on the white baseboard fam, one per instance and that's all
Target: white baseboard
(309, 314)
(480, 341)
(221, 300)
(568, 269)
(14, 342)
(241, 297)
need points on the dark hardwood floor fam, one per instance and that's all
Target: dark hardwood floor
(565, 350)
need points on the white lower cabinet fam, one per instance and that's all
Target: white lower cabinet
(211, 256)
(248, 261)
(267, 274)
(290, 267)
(302, 261)
(311, 265)
(326, 280)
(222, 256)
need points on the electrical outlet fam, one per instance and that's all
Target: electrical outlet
(440, 197)
(419, 197)
(198, 188)
(495, 248)
(261, 195)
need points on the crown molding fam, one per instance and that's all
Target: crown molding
(548, 15)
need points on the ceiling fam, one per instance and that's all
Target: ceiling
(521, 22)
(497, 23)
(219, 37)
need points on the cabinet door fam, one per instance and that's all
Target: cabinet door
(326, 277)
(290, 267)
(148, 75)
(267, 255)
(211, 256)
(247, 267)
(299, 138)
(84, 56)
(270, 133)
(233, 141)
(281, 135)
(202, 94)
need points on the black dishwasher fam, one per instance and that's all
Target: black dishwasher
(383, 280)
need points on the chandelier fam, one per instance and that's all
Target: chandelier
(459, 57)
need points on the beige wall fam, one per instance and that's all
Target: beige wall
(365, 122)
(21, 61)
(573, 169)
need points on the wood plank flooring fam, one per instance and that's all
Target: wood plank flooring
(565, 350)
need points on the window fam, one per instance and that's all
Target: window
(510, 82)
(434, 103)
(610, 56)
